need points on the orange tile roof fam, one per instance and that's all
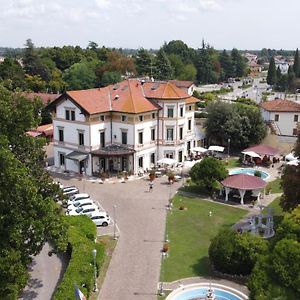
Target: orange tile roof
(164, 90)
(191, 100)
(128, 96)
(280, 105)
(45, 97)
(182, 83)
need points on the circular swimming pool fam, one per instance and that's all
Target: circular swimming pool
(199, 291)
(249, 171)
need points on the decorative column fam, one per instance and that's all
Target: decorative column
(227, 190)
(242, 194)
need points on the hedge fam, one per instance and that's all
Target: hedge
(80, 271)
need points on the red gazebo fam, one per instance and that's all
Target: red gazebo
(243, 183)
(263, 150)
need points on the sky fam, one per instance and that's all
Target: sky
(224, 24)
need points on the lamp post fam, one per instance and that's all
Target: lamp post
(94, 251)
(228, 146)
(115, 222)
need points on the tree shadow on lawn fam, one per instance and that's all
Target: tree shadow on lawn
(202, 267)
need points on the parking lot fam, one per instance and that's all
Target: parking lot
(135, 265)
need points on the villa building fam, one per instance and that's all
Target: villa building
(282, 116)
(128, 126)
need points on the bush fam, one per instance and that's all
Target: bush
(235, 253)
(80, 271)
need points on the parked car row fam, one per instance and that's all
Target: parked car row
(82, 204)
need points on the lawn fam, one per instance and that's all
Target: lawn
(274, 186)
(232, 163)
(277, 210)
(190, 232)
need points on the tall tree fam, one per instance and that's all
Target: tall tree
(291, 80)
(163, 67)
(12, 74)
(226, 65)
(290, 182)
(296, 66)
(143, 61)
(271, 77)
(239, 63)
(28, 214)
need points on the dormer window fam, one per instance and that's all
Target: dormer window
(70, 114)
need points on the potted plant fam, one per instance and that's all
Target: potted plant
(152, 175)
(165, 248)
(171, 177)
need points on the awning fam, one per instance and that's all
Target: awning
(199, 149)
(75, 155)
(216, 148)
(167, 161)
(113, 150)
(251, 153)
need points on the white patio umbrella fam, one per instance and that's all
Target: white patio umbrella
(251, 153)
(294, 162)
(200, 149)
(167, 161)
(216, 148)
(290, 157)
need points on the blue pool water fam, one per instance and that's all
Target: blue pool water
(248, 171)
(201, 292)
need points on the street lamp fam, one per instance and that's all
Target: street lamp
(228, 146)
(94, 251)
(115, 222)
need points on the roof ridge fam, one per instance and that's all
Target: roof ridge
(130, 94)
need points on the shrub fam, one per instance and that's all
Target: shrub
(80, 271)
(235, 253)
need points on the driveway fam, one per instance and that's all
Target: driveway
(45, 274)
(134, 268)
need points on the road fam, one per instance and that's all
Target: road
(45, 273)
(135, 265)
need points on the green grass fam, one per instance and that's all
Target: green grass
(276, 207)
(232, 163)
(190, 232)
(274, 186)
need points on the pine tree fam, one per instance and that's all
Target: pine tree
(143, 62)
(296, 66)
(163, 67)
(291, 80)
(227, 66)
(271, 77)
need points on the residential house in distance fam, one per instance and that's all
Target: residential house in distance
(188, 86)
(282, 116)
(128, 126)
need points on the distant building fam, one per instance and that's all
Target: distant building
(188, 86)
(127, 126)
(46, 98)
(282, 116)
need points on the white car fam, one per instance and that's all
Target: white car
(80, 203)
(70, 191)
(86, 210)
(100, 218)
(77, 197)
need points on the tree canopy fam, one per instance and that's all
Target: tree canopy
(235, 253)
(241, 123)
(208, 172)
(28, 213)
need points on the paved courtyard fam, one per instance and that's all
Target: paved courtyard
(134, 268)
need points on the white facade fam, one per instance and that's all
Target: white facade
(79, 138)
(286, 122)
